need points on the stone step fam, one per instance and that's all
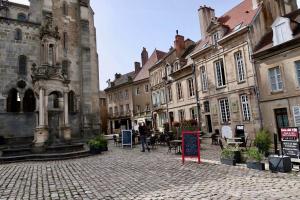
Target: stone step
(45, 157)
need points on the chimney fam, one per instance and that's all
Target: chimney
(206, 14)
(144, 56)
(179, 44)
(255, 4)
(137, 67)
(117, 75)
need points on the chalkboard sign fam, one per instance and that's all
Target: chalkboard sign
(127, 138)
(290, 142)
(190, 145)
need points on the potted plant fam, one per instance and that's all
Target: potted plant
(263, 141)
(254, 158)
(228, 156)
(95, 146)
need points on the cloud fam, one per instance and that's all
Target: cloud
(26, 2)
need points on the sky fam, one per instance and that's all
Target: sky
(124, 27)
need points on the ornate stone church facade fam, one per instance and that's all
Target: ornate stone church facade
(49, 83)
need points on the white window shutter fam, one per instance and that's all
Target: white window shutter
(296, 110)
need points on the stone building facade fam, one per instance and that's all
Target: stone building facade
(169, 85)
(120, 102)
(49, 85)
(225, 70)
(277, 59)
(142, 112)
(103, 112)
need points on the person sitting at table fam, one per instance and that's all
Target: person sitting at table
(143, 136)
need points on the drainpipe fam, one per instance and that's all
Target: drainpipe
(197, 97)
(166, 98)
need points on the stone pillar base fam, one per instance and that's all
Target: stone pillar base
(41, 137)
(66, 134)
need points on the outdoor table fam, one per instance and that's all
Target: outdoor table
(237, 144)
(176, 143)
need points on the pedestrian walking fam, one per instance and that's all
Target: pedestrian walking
(143, 136)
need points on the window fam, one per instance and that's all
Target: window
(18, 34)
(224, 109)
(85, 26)
(121, 109)
(146, 88)
(179, 91)
(22, 17)
(204, 78)
(51, 54)
(176, 66)
(170, 96)
(137, 91)
(215, 38)
(110, 98)
(116, 110)
(275, 79)
(181, 115)
(126, 94)
(13, 101)
(65, 67)
(297, 63)
(220, 73)
(127, 108)
(138, 108)
(110, 110)
(281, 33)
(65, 40)
(191, 88)
(71, 102)
(162, 96)
(245, 107)
(147, 107)
(296, 112)
(169, 70)
(29, 101)
(206, 106)
(121, 95)
(239, 62)
(65, 8)
(22, 65)
(193, 113)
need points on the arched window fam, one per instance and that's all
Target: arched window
(71, 102)
(65, 8)
(54, 99)
(13, 101)
(18, 34)
(22, 17)
(51, 54)
(29, 101)
(65, 67)
(22, 65)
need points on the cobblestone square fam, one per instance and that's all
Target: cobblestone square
(131, 174)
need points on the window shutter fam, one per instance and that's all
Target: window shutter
(296, 110)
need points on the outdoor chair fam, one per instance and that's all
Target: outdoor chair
(117, 141)
(215, 139)
(153, 142)
(221, 144)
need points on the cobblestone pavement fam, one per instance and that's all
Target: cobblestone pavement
(131, 174)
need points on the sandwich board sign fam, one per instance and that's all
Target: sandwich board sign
(290, 142)
(127, 138)
(190, 145)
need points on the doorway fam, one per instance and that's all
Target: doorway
(282, 120)
(208, 123)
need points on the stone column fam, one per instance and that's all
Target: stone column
(41, 109)
(66, 128)
(66, 109)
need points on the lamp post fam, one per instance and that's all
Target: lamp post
(197, 97)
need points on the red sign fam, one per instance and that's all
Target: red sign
(191, 145)
(288, 134)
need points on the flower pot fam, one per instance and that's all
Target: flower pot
(256, 165)
(228, 161)
(237, 156)
(104, 148)
(94, 150)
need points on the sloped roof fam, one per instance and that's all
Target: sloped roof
(144, 72)
(241, 15)
(124, 79)
(267, 40)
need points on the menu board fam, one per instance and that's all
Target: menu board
(190, 145)
(127, 138)
(290, 142)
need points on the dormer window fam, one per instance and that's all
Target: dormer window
(215, 38)
(176, 66)
(281, 31)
